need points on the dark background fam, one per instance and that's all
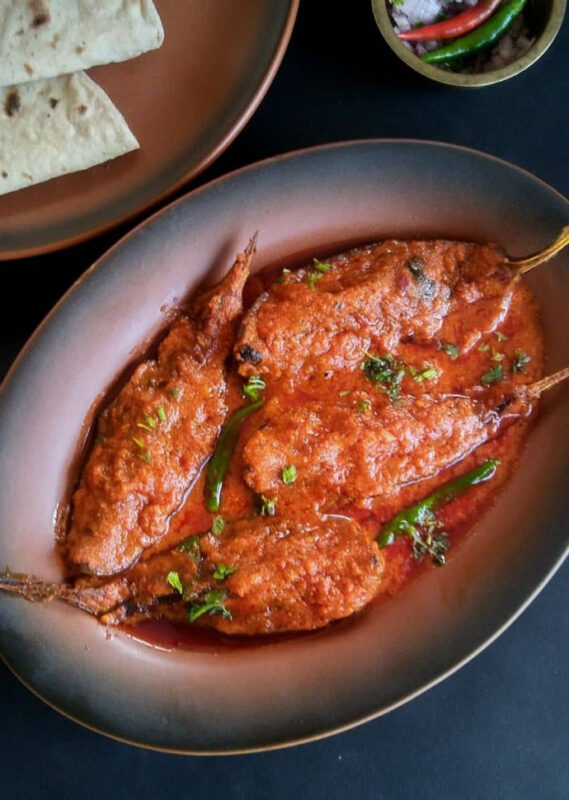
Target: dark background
(499, 727)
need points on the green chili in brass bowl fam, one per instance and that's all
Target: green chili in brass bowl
(465, 49)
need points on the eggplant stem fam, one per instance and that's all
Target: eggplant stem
(537, 388)
(523, 265)
(33, 589)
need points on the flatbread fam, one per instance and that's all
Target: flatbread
(55, 126)
(44, 38)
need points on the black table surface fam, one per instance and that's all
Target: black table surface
(499, 726)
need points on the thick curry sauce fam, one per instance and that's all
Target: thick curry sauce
(378, 376)
(518, 332)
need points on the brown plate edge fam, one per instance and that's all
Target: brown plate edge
(230, 135)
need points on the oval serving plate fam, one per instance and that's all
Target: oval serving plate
(185, 103)
(316, 201)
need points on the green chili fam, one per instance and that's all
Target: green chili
(417, 514)
(224, 450)
(484, 36)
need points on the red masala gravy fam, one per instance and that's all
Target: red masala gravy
(523, 331)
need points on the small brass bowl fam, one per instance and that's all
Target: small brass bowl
(544, 17)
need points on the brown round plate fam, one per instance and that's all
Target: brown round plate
(312, 202)
(185, 103)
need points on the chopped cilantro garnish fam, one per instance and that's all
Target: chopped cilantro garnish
(213, 604)
(428, 373)
(436, 544)
(222, 572)
(427, 537)
(175, 393)
(314, 275)
(289, 474)
(363, 406)
(191, 546)
(150, 421)
(253, 387)
(312, 278)
(143, 426)
(385, 371)
(322, 266)
(520, 362)
(500, 336)
(265, 507)
(146, 456)
(493, 375)
(174, 580)
(217, 525)
(161, 414)
(450, 349)
(496, 356)
(483, 348)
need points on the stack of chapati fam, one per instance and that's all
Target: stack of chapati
(54, 119)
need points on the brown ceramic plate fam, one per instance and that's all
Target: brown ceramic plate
(185, 103)
(314, 201)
